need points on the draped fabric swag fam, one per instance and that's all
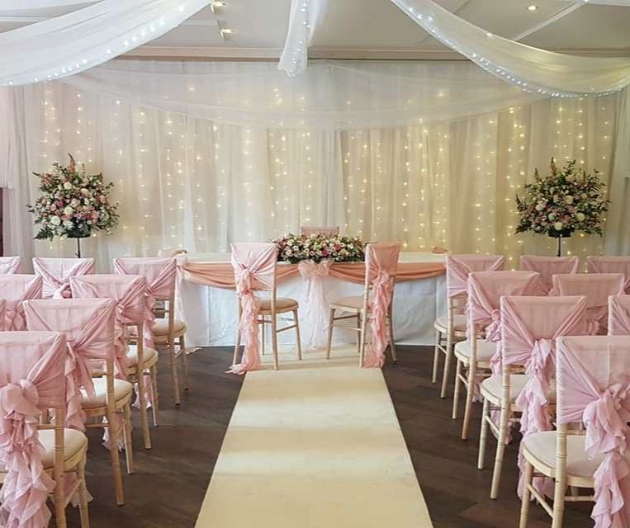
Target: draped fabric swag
(204, 154)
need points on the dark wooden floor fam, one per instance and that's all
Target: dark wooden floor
(171, 480)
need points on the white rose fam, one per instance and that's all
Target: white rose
(580, 217)
(67, 186)
(551, 216)
(569, 200)
(68, 210)
(55, 220)
(540, 207)
(558, 226)
(67, 224)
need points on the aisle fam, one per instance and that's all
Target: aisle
(314, 445)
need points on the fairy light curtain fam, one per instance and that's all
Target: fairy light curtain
(85, 37)
(530, 69)
(189, 178)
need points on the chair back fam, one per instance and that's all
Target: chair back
(10, 265)
(88, 325)
(310, 230)
(159, 272)
(610, 265)
(485, 289)
(254, 265)
(32, 380)
(15, 289)
(593, 384)
(529, 329)
(458, 267)
(550, 266)
(56, 273)
(619, 315)
(596, 288)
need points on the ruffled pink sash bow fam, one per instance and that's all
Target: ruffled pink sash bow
(379, 306)
(26, 485)
(248, 324)
(315, 308)
(606, 422)
(78, 374)
(533, 401)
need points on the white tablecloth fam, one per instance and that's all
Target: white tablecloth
(211, 314)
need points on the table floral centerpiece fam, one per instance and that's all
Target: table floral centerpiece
(73, 204)
(319, 247)
(567, 200)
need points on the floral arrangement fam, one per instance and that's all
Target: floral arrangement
(567, 200)
(318, 247)
(72, 203)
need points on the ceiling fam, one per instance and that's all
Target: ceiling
(377, 29)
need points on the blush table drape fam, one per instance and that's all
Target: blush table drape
(207, 300)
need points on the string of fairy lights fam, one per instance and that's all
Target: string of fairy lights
(199, 185)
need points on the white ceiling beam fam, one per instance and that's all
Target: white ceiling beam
(550, 20)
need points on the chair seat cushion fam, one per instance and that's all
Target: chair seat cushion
(485, 350)
(282, 303)
(122, 389)
(161, 327)
(542, 447)
(493, 387)
(149, 356)
(354, 302)
(459, 324)
(74, 442)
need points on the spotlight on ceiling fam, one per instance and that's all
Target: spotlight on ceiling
(216, 5)
(532, 7)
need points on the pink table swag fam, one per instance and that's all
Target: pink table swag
(15, 289)
(56, 273)
(31, 379)
(594, 388)
(254, 267)
(381, 264)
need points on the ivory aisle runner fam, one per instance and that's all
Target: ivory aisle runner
(314, 445)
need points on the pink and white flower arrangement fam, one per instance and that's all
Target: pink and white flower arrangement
(72, 203)
(567, 200)
(318, 247)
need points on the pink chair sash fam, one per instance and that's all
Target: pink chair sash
(132, 306)
(160, 274)
(15, 289)
(594, 387)
(610, 265)
(458, 267)
(550, 266)
(597, 288)
(315, 305)
(56, 273)
(31, 379)
(381, 262)
(485, 289)
(619, 315)
(88, 325)
(254, 269)
(529, 328)
(10, 265)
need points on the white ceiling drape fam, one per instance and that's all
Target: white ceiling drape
(86, 37)
(528, 68)
(329, 95)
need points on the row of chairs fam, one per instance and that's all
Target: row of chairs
(109, 329)
(505, 337)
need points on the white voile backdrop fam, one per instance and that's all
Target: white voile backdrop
(205, 154)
